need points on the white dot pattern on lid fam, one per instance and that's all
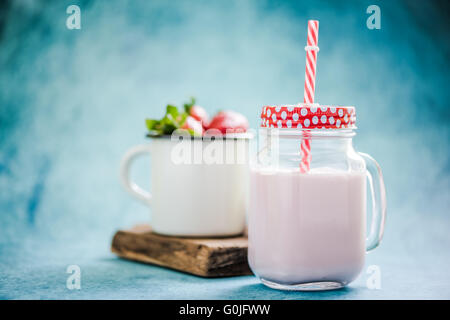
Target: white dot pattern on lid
(306, 122)
(313, 109)
(290, 108)
(331, 120)
(341, 112)
(268, 113)
(338, 123)
(284, 115)
(279, 124)
(324, 109)
(333, 109)
(274, 117)
(323, 119)
(303, 112)
(315, 120)
(289, 123)
(277, 108)
(346, 118)
(299, 125)
(295, 116)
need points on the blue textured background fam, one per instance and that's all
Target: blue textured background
(73, 101)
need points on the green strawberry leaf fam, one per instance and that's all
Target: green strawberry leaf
(181, 119)
(172, 120)
(172, 110)
(189, 105)
(151, 124)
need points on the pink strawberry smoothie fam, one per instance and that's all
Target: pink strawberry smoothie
(307, 227)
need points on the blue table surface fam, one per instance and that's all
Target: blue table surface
(413, 265)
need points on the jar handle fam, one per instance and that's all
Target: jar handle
(378, 193)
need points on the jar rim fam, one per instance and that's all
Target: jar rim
(314, 133)
(309, 105)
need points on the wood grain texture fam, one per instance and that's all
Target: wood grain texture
(206, 257)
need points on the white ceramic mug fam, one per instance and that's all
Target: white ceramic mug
(201, 197)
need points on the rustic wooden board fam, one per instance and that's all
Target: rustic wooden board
(206, 257)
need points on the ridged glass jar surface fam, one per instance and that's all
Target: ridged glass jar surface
(307, 230)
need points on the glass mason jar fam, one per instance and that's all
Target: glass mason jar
(307, 201)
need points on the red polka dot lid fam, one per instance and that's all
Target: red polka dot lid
(303, 116)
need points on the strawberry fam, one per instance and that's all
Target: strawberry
(193, 125)
(228, 122)
(200, 114)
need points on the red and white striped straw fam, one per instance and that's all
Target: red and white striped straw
(311, 61)
(310, 82)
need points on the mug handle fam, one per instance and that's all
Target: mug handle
(125, 165)
(378, 193)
